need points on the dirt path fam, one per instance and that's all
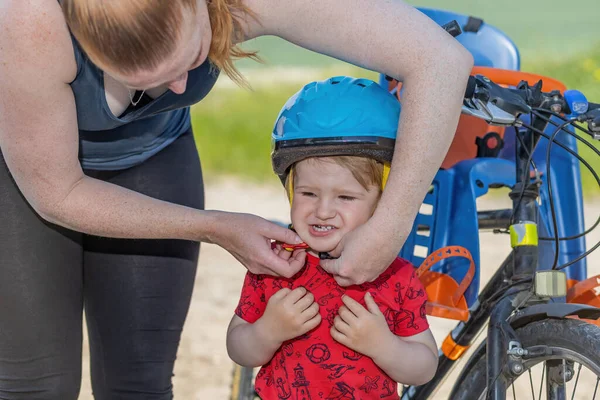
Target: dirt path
(203, 369)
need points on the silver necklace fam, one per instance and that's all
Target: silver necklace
(135, 103)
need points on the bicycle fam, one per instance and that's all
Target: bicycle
(533, 311)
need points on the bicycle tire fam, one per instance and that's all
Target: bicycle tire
(242, 387)
(568, 334)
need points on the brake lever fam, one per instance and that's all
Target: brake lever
(594, 123)
(493, 103)
(489, 112)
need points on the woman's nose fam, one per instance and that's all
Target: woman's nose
(178, 86)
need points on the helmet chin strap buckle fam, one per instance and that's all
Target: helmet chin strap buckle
(326, 256)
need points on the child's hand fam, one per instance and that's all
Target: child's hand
(363, 330)
(290, 313)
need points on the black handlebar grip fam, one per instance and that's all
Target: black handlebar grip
(470, 90)
(593, 106)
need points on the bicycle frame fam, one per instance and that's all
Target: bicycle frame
(522, 262)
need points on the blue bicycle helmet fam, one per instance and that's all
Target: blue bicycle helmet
(337, 116)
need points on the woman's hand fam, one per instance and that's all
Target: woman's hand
(248, 238)
(363, 254)
(289, 314)
(362, 330)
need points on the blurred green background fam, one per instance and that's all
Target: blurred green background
(232, 125)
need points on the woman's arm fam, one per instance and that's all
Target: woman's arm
(391, 37)
(39, 141)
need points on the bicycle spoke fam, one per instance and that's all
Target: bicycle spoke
(542, 382)
(531, 382)
(514, 394)
(576, 380)
(596, 388)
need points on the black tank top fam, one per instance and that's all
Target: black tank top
(108, 142)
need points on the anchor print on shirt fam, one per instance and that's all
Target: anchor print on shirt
(395, 319)
(244, 306)
(387, 390)
(412, 294)
(399, 297)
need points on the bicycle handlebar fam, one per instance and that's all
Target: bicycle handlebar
(502, 106)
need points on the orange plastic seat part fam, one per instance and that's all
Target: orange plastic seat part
(446, 296)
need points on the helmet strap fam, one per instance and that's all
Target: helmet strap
(386, 174)
(290, 185)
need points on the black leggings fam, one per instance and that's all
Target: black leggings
(136, 293)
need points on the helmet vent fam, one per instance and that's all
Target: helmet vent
(361, 85)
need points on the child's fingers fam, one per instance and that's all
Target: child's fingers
(306, 301)
(338, 336)
(341, 326)
(371, 305)
(353, 305)
(296, 295)
(280, 294)
(310, 312)
(348, 316)
(313, 322)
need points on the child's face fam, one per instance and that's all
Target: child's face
(328, 203)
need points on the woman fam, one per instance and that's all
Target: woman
(101, 194)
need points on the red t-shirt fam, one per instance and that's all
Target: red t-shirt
(314, 366)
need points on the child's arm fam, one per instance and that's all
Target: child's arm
(288, 314)
(248, 344)
(409, 360)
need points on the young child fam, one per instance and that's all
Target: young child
(314, 339)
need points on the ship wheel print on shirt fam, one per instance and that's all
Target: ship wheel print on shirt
(318, 353)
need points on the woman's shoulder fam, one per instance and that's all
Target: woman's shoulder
(35, 37)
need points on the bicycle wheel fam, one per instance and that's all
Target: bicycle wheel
(574, 344)
(242, 387)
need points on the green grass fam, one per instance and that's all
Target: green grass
(233, 126)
